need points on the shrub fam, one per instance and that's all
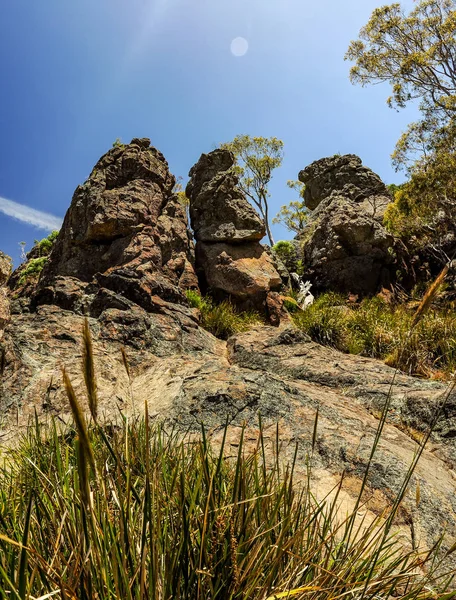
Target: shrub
(32, 269)
(222, 319)
(44, 246)
(285, 251)
(118, 143)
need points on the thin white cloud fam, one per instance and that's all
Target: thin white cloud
(28, 215)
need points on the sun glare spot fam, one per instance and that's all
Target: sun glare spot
(239, 46)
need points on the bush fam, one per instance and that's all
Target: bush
(379, 330)
(44, 246)
(222, 319)
(284, 250)
(32, 269)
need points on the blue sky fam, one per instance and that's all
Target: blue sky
(76, 75)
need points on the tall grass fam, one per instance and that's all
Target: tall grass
(170, 518)
(222, 319)
(423, 345)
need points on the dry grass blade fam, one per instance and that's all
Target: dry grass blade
(125, 361)
(430, 296)
(79, 419)
(89, 369)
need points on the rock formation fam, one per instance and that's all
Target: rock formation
(130, 281)
(125, 232)
(5, 272)
(345, 176)
(345, 246)
(230, 261)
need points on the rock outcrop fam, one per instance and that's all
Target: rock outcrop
(230, 261)
(345, 246)
(5, 272)
(345, 176)
(125, 233)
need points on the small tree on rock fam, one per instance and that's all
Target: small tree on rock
(256, 158)
(293, 215)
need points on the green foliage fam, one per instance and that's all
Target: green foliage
(256, 158)
(416, 54)
(32, 269)
(293, 215)
(222, 319)
(379, 330)
(118, 143)
(426, 203)
(44, 246)
(284, 250)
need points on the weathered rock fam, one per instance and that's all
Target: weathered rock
(125, 231)
(245, 272)
(278, 373)
(346, 249)
(230, 261)
(5, 272)
(219, 212)
(344, 176)
(133, 294)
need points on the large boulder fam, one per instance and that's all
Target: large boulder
(125, 231)
(346, 249)
(242, 271)
(219, 211)
(124, 259)
(344, 176)
(230, 261)
(5, 272)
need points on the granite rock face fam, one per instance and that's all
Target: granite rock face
(347, 250)
(125, 232)
(219, 212)
(344, 176)
(345, 247)
(230, 261)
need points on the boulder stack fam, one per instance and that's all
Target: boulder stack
(345, 176)
(230, 261)
(345, 247)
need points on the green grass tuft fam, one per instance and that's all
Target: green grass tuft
(424, 347)
(161, 518)
(222, 319)
(33, 269)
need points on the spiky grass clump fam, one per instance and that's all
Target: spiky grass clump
(222, 319)
(163, 518)
(419, 342)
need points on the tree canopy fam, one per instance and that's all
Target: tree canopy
(416, 54)
(256, 159)
(293, 215)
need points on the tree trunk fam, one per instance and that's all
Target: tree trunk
(266, 222)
